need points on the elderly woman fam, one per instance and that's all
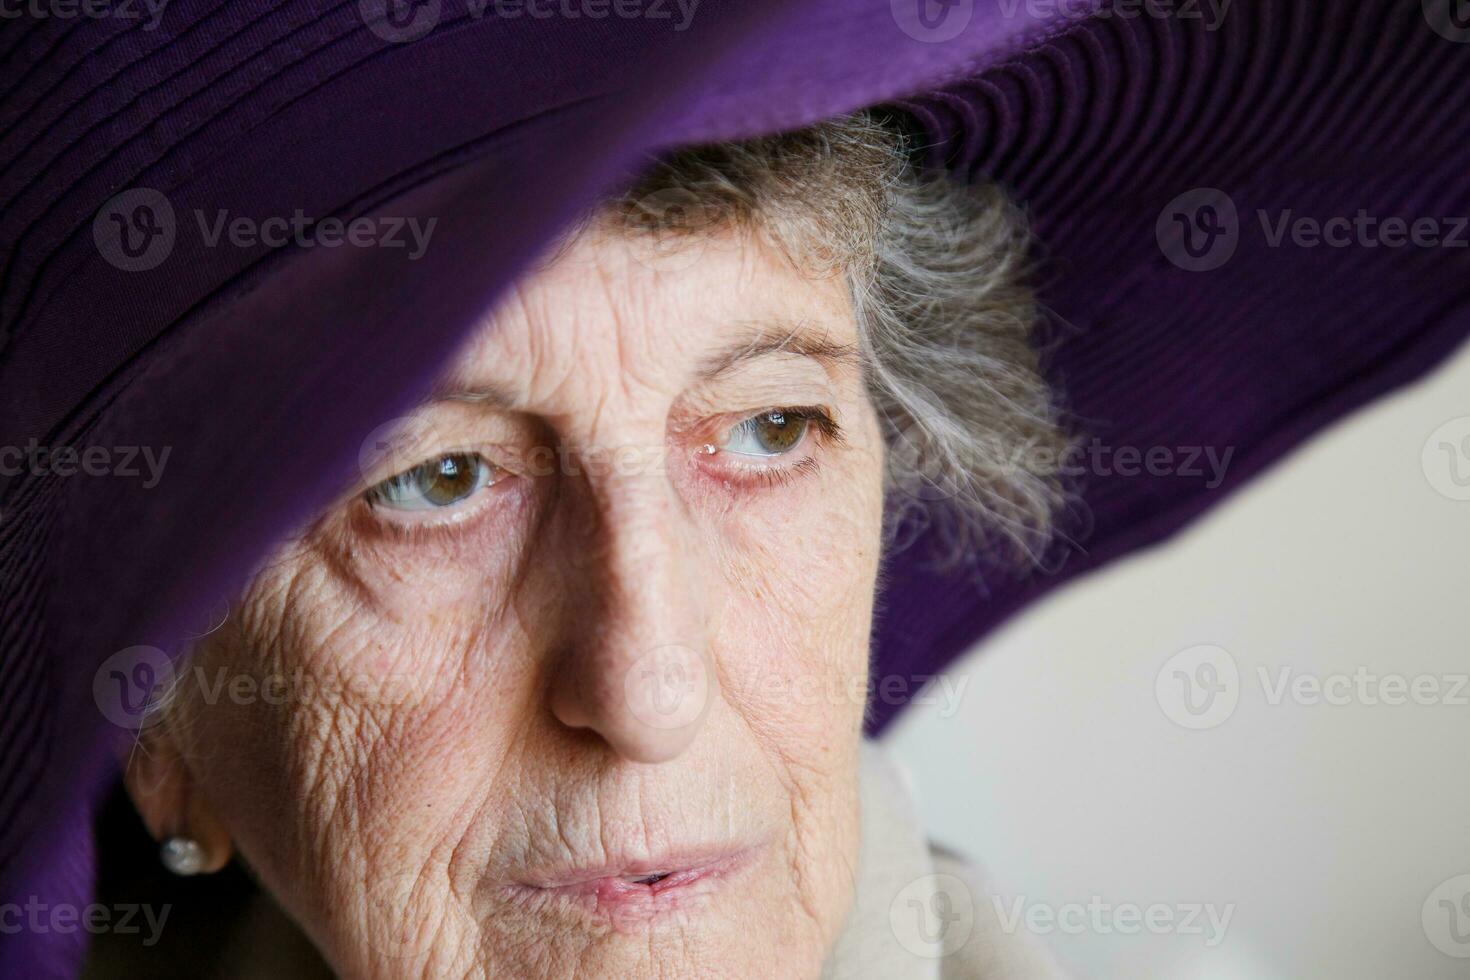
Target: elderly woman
(572, 682)
(697, 352)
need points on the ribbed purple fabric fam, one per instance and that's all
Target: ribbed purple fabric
(263, 371)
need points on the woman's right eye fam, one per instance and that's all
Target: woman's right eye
(772, 433)
(436, 485)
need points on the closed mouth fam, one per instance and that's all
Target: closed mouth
(629, 893)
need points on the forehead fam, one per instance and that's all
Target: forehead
(654, 311)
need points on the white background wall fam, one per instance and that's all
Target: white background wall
(1324, 827)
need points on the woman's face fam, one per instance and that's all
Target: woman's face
(582, 694)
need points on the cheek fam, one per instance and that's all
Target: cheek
(801, 566)
(358, 721)
(418, 574)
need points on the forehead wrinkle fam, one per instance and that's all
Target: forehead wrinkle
(624, 319)
(609, 313)
(532, 308)
(762, 338)
(555, 341)
(466, 381)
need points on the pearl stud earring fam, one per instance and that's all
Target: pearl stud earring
(182, 855)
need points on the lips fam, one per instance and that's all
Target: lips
(628, 893)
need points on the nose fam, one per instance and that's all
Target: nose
(635, 669)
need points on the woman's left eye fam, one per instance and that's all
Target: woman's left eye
(435, 485)
(772, 433)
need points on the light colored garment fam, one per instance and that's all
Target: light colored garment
(921, 912)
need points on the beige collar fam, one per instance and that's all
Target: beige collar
(893, 856)
(921, 912)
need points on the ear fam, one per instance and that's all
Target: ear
(168, 797)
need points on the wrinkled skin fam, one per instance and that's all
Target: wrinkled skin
(462, 728)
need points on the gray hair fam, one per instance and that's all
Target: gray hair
(937, 274)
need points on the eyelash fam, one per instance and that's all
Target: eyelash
(772, 475)
(764, 475)
(818, 416)
(423, 526)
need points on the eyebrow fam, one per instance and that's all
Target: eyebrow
(480, 392)
(776, 337)
(780, 337)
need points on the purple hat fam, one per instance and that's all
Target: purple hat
(1246, 210)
